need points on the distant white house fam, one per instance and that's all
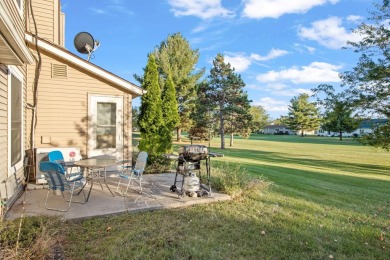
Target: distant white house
(278, 129)
(365, 127)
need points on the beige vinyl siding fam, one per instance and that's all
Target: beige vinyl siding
(62, 30)
(17, 19)
(46, 14)
(3, 122)
(63, 105)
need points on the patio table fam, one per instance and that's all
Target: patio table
(98, 163)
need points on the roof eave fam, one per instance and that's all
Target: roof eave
(135, 90)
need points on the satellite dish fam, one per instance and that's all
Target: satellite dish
(84, 43)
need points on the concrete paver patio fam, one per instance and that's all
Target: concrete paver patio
(156, 195)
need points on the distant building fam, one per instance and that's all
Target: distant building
(278, 130)
(365, 127)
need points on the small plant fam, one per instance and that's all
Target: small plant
(237, 181)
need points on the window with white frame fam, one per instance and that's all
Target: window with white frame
(15, 118)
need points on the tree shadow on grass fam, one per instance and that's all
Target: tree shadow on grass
(350, 187)
(317, 140)
(280, 158)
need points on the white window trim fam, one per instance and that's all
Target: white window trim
(18, 74)
(21, 8)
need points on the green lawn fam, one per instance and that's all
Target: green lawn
(328, 199)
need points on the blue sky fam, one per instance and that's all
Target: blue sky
(280, 47)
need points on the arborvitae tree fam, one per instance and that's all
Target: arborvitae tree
(170, 113)
(175, 57)
(151, 119)
(303, 115)
(226, 92)
(135, 111)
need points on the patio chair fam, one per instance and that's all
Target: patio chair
(134, 174)
(56, 156)
(55, 176)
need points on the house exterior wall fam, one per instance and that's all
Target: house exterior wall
(11, 178)
(48, 19)
(62, 110)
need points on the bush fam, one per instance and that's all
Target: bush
(157, 164)
(237, 182)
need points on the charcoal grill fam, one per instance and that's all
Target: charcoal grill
(188, 166)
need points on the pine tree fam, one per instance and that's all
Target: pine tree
(175, 57)
(151, 119)
(226, 92)
(203, 115)
(302, 114)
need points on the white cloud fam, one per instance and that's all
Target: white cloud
(276, 86)
(205, 9)
(258, 9)
(354, 18)
(97, 10)
(272, 105)
(329, 33)
(274, 53)
(304, 48)
(316, 72)
(240, 62)
(292, 92)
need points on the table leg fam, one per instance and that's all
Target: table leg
(105, 178)
(89, 192)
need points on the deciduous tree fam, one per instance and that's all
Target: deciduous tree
(260, 118)
(368, 82)
(338, 115)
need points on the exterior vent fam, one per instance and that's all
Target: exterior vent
(59, 71)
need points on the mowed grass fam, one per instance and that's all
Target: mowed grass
(328, 200)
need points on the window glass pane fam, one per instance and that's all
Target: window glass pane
(16, 120)
(106, 125)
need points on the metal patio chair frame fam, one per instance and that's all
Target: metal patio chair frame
(134, 174)
(57, 181)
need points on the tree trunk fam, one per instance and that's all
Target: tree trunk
(178, 134)
(341, 136)
(231, 139)
(302, 133)
(222, 129)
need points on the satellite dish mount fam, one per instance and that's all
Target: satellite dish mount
(85, 43)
